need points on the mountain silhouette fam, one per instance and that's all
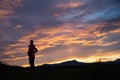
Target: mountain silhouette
(72, 63)
(75, 63)
(117, 61)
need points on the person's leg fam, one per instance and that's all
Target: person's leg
(32, 62)
(29, 62)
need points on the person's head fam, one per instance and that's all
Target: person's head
(31, 41)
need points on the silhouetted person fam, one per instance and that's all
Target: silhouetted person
(31, 53)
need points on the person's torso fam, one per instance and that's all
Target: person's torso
(31, 48)
(31, 51)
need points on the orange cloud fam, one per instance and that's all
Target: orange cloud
(67, 35)
(9, 4)
(70, 5)
(20, 58)
(4, 14)
(7, 7)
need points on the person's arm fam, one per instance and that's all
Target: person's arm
(35, 50)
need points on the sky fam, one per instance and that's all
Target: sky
(62, 30)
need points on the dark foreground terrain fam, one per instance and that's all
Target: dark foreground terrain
(94, 71)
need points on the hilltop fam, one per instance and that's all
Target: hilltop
(70, 70)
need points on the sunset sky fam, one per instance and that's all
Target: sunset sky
(62, 30)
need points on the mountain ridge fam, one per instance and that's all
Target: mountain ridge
(75, 63)
(70, 63)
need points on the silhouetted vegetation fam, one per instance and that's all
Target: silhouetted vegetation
(91, 71)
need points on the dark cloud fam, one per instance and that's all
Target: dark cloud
(108, 28)
(38, 14)
(36, 7)
(113, 38)
(112, 48)
(101, 11)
